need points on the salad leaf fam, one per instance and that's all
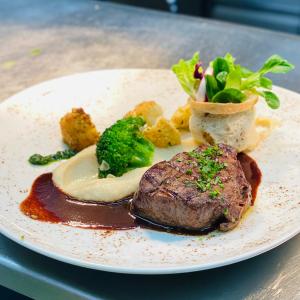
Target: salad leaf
(276, 64)
(271, 99)
(229, 95)
(266, 83)
(233, 80)
(221, 77)
(198, 71)
(211, 86)
(230, 61)
(250, 82)
(220, 65)
(184, 71)
(244, 71)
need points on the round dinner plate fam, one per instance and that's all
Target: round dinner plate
(29, 123)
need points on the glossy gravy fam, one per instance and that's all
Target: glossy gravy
(48, 203)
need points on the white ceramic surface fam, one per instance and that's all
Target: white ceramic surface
(29, 123)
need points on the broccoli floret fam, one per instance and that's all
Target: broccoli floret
(122, 148)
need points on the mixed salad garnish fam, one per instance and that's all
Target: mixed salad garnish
(224, 81)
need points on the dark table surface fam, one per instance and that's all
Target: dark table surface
(41, 40)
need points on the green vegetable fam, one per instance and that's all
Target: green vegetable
(229, 95)
(276, 64)
(189, 172)
(266, 83)
(271, 99)
(211, 86)
(38, 159)
(231, 82)
(234, 80)
(230, 61)
(214, 194)
(221, 77)
(220, 65)
(184, 71)
(251, 81)
(244, 71)
(122, 148)
(36, 52)
(8, 64)
(220, 70)
(209, 167)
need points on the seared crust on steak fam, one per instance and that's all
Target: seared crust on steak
(168, 195)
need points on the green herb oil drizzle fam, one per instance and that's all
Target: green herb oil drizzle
(40, 160)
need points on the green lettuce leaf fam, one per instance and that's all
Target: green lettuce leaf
(252, 81)
(245, 73)
(271, 99)
(276, 64)
(234, 79)
(229, 95)
(266, 83)
(220, 65)
(229, 81)
(184, 71)
(230, 61)
(221, 77)
(211, 86)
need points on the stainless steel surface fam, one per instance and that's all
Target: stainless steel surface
(274, 275)
(41, 40)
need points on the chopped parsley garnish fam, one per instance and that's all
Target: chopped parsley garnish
(225, 212)
(189, 172)
(189, 183)
(214, 194)
(36, 52)
(209, 168)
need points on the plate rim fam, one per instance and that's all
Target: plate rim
(135, 270)
(149, 270)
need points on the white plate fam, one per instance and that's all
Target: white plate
(29, 123)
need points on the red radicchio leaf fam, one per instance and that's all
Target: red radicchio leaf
(198, 73)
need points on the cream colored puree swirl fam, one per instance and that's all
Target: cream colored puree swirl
(78, 176)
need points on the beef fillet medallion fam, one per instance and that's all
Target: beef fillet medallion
(197, 190)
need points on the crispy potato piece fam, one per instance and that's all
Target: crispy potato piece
(181, 117)
(149, 110)
(163, 134)
(78, 130)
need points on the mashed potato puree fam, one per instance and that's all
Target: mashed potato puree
(78, 176)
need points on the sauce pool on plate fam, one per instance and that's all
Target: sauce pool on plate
(48, 203)
(251, 171)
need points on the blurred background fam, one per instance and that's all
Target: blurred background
(280, 15)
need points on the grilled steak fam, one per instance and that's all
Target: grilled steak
(194, 191)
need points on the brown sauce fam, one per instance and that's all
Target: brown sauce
(148, 224)
(251, 171)
(48, 203)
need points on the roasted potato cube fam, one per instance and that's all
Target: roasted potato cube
(78, 130)
(181, 117)
(149, 110)
(163, 133)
